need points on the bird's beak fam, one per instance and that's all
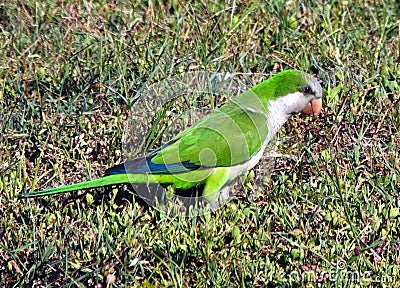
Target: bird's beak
(313, 108)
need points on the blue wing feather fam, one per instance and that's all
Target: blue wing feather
(145, 165)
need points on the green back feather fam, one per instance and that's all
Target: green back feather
(233, 133)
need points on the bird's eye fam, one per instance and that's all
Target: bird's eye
(306, 89)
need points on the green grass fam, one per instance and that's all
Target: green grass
(327, 215)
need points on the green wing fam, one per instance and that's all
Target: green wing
(226, 137)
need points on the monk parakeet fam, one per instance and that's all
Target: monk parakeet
(221, 146)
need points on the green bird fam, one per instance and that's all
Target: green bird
(221, 146)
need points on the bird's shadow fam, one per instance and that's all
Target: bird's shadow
(147, 197)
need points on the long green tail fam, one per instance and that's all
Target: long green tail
(184, 181)
(181, 181)
(104, 181)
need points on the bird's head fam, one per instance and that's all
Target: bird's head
(293, 91)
